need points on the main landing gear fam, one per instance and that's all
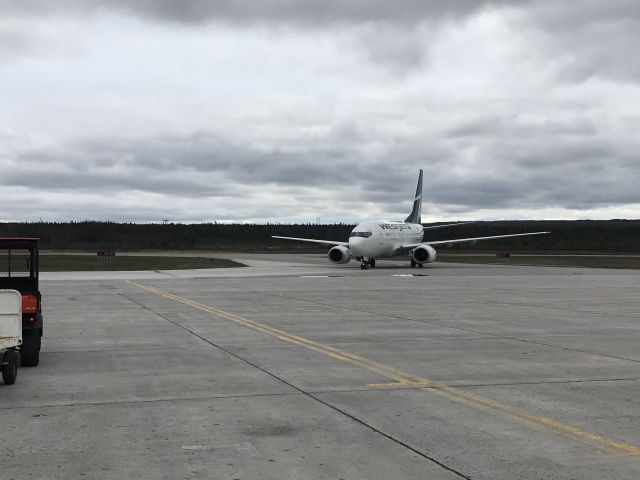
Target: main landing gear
(414, 264)
(367, 262)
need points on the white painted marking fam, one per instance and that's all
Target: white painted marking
(410, 275)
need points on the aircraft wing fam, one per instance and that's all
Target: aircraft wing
(475, 239)
(434, 227)
(312, 240)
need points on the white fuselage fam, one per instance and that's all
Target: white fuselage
(383, 239)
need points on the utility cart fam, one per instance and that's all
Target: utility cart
(10, 334)
(20, 270)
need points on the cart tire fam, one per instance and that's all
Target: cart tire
(31, 349)
(10, 370)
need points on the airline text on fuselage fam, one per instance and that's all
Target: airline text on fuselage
(395, 226)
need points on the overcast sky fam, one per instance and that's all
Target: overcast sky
(280, 110)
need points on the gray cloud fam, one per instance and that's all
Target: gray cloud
(546, 120)
(588, 39)
(192, 166)
(517, 171)
(592, 38)
(14, 42)
(276, 11)
(548, 14)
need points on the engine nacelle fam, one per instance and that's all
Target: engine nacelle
(424, 254)
(339, 254)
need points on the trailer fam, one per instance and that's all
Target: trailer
(10, 334)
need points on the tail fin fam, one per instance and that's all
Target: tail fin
(416, 213)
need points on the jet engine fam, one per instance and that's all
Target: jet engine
(339, 254)
(423, 254)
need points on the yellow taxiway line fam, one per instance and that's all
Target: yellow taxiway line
(403, 379)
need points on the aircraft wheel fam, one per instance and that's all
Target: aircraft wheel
(363, 266)
(372, 263)
(420, 265)
(413, 263)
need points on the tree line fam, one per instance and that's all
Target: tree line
(602, 236)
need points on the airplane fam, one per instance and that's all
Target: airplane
(371, 240)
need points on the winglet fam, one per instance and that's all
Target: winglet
(416, 213)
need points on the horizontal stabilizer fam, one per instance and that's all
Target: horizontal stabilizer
(435, 227)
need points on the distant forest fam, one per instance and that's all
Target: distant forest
(611, 236)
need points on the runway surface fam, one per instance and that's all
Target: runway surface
(291, 368)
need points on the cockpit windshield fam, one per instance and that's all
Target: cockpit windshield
(361, 234)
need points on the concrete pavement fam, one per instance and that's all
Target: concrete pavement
(466, 372)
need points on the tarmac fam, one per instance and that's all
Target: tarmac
(291, 368)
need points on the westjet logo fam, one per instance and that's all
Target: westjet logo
(394, 226)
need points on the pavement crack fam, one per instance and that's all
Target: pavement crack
(154, 400)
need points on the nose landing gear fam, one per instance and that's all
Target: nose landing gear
(368, 262)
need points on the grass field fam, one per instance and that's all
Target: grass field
(62, 263)
(587, 261)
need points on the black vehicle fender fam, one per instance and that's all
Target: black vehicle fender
(37, 325)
